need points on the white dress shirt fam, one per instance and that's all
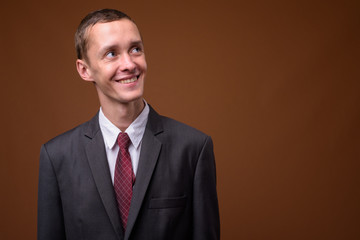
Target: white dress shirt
(135, 131)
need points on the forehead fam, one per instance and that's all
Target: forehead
(121, 31)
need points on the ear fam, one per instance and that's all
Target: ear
(83, 70)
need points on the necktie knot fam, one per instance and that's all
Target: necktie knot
(123, 140)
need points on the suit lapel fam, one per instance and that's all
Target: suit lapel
(96, 155)
(150, 150)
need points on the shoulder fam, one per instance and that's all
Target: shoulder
(160, 123)
(173, 132)
(72, 137)
(176, 127)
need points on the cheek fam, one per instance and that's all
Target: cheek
(144, 66)
(141, 62)
(108, 71)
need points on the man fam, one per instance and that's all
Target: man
(128, 173)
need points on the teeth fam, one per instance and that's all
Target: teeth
(129, 80)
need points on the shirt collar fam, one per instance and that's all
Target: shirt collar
(135, 130)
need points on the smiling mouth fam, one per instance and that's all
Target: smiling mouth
(130, 80)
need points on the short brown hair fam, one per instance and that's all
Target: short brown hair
(102, 16)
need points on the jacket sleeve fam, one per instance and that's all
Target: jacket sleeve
(50, 215)
(206, 222)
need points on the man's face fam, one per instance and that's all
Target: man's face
(116, 61)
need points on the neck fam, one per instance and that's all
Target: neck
(123, 114)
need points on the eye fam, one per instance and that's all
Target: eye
(135, 50)
(111, 54)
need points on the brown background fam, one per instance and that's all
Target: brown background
(275, 83)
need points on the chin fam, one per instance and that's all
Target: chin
(132, 98)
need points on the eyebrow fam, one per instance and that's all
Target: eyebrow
(139, 42)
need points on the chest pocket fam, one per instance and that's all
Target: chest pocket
(175, 202)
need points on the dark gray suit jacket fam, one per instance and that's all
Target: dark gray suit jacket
(174, 196)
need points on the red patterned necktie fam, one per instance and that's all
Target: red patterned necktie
(124, 178)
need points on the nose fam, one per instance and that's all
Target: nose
(127, 63)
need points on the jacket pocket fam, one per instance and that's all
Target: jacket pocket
(175, 202)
